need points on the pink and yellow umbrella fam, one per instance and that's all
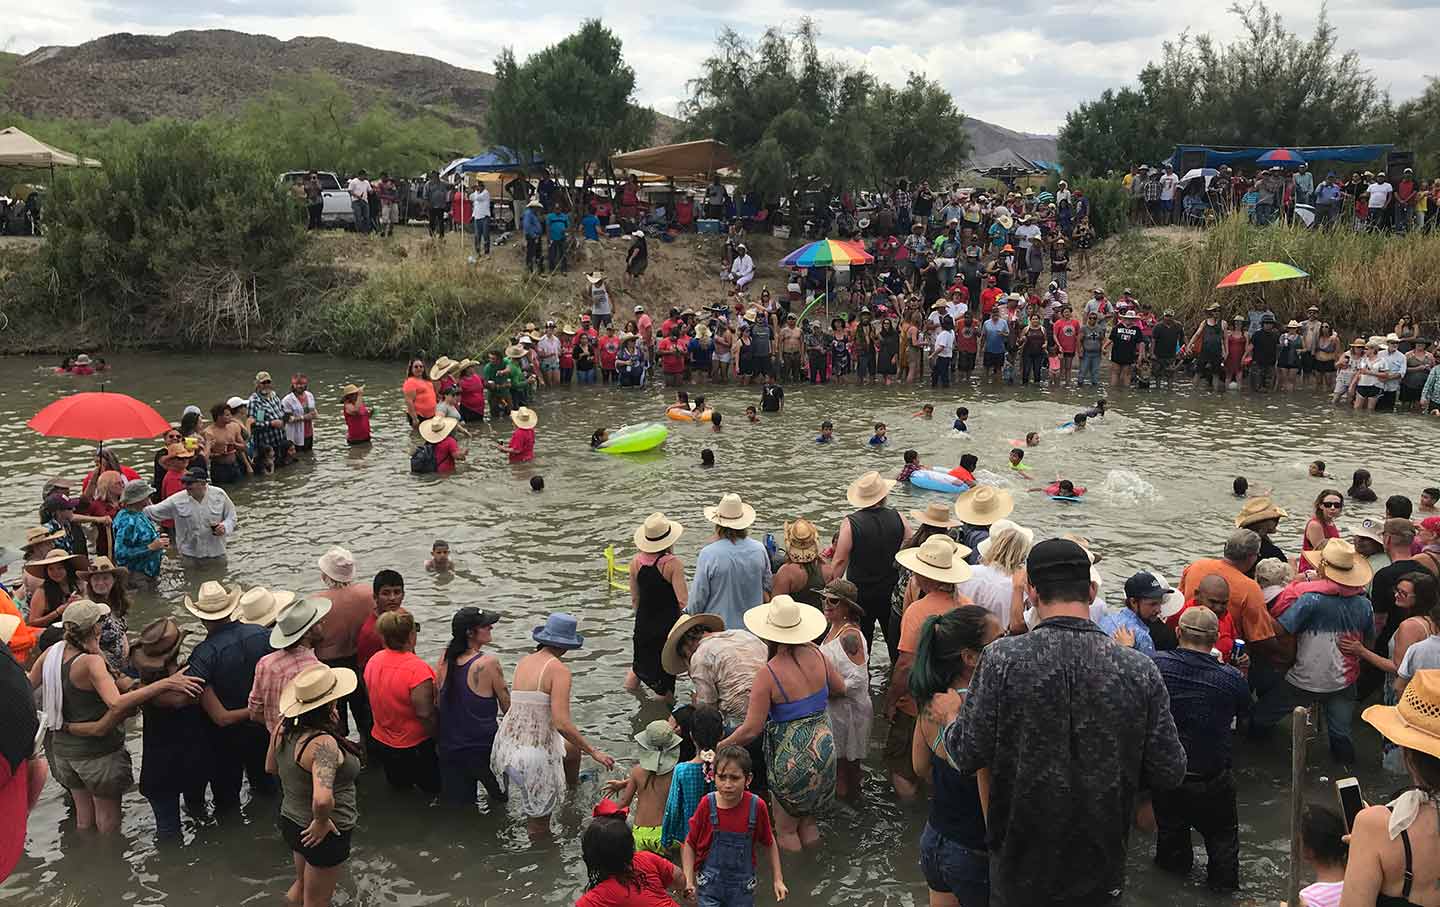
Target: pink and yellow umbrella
(1261, 272)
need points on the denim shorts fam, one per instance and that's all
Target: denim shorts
(950, 867)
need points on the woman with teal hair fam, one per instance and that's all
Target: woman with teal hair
(952, 847)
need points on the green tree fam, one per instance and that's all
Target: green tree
(1110, 132)
(573, 102)
(918, 132)
(1415, 125)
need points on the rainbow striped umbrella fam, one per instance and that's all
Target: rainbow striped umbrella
(1281, 156)
(827, 253)
(1261, 272)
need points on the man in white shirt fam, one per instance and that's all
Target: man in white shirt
(742, 269)
(480, 217)
(1392, 368)
(299, 407)
(942, 348)
(1168, 182)
(1379, 192)
(359, 189)
(203, 516)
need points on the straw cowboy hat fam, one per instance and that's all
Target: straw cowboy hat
(1341, 564)
(525, 417)
(438, 428)
(999, 526)
(1415, 722)
(786, 621)
(58, 556)
(731, 512)
(802, 541)
(9, 623)
(351, 389)
(260, 606)
(1258, 510)
(316, 686)
(595, 276)
(935, 514)
(868, 490)
(984, 504)
(661, 745)
(337, 564)
(441, 368)
(213, 602)
(670, 658)
(177, 451)
(296, 620)
(514, 351)
(939, 558)
(37, 535)
(657, 533)
(103, 564)
(158, 643)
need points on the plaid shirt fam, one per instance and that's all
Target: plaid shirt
(1152, 190)
(263, 408)
(272, 673)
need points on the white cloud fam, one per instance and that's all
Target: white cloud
(1018, 63)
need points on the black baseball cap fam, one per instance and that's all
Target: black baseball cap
(1145, 585)
(1057, 560)
(469, 617)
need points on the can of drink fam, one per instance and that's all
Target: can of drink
(1238, 650)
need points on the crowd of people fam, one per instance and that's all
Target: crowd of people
(1017, 700)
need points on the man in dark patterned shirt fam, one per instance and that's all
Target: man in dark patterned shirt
(269, 416)
(1071, 727)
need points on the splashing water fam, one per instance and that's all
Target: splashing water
(1122, 486)
(986, 477)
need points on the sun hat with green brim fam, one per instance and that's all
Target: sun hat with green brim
(661, 745)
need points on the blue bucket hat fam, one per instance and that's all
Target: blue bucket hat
(559, 631)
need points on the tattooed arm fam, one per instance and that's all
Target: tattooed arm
(324, 756)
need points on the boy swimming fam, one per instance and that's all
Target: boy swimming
(961, 414)
(879, 438)
(827, 432)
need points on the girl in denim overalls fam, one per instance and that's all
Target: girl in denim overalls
(727, 872)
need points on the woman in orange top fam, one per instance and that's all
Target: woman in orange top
(401, 687)
(419, 393)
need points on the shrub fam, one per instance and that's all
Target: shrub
(1109, 205)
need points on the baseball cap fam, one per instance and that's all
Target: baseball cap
(1201, 620)
(1374, 530)
(84, 614)
(1400, 528)
(1430, 524)
(237, 402)
(59, 502)
(469, 617)
(262, 377)
(1057, 560)
(1145, 585)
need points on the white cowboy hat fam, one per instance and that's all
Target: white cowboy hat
(868, 490)
(213, 601)
(670, 658)
(984, 504)
(939, 557)
(1341, 563)
(260, 606)
(441, 368)
(999, 526)
(525, 417)
(316, 686)
(784, 620)
(337, 564)
(935, 514)
(657, 533)
(731, 512)
(438, 428)
(295, 621)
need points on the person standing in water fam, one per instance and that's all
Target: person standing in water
(865, 552)
(658, 595)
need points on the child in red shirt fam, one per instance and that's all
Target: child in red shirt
(521, 447)
(620, 876)
(724, 832)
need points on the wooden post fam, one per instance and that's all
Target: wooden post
(1299, 738)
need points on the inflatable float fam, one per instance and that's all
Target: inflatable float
(637, 438)
(677, 414)
(937, 480)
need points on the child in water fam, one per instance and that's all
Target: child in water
(965, 472)
(693, 778)
(961, 415)
(1321, 831)
(537, 483)
(715, 421)
(1032, 439)
(827, 432)
(751, 415)
(648, 784)
(600, 437)
(926, 412)
(1317, 470)
(439, 557)
(1241, 486)
(729, 808)
(1062, 488)
(879, 438)
(707, 458)
(1016, 457)
(912, 463)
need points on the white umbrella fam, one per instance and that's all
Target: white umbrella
(1208, 173)
(1306, 215)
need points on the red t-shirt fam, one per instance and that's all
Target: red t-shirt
(672, 357)
(445, 454)
(389, 678)
(645, 325)
(1225, 642)
(608, 348)
(472, 392)
(730, 820)
(1067, 333)
(367, 642)
(357, 424)
(653, 874)
(967, 337)
(963, 474)
(522, 445)
(987, 299)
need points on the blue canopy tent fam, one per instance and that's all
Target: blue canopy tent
(1229, 154)
(498, 160)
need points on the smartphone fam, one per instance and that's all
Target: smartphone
(1348, 790)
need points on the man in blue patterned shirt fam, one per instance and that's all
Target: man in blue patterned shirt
(269, 416)
(1071, 727)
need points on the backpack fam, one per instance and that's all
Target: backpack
(423, 459)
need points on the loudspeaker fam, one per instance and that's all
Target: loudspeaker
(1395, 164)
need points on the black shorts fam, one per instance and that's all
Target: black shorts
(1410, 394)
(332, 851)
(965, 362)
(1372, 390)
(1324, 368)
(995, 360)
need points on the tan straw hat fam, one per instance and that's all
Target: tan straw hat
(984, 504)
(260, 606)
(525, 417)
(316, 686)
(213, 601)
(441, 368)
(1258, 510)
(939, 558)
(670, 658)
(437, 429)
(103, 564)
(657, 533)
(36, 535)
(784, 620)
(868, 490)
(935, 514)
(158, 643)
(731, 512)
(58, 556)
(802, 541)
(1340, 563)
(349, 389)
(1415, 722)
(296, 619)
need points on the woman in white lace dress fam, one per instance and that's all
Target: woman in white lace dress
(537, 749)
(850, 715)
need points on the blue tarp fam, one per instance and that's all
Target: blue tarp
(498, 160)
(1349, 154)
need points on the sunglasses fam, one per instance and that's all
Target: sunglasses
(1335, 504)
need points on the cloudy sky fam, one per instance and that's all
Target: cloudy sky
(1017, 63)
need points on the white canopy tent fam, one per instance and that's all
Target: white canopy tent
(19, 149)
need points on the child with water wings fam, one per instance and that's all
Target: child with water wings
(730, 824)
(649, 782)
(694, 778)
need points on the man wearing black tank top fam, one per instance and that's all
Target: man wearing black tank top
(865, 553)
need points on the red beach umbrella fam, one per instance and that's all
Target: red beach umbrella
(99, 416)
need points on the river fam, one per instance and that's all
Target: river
(1159, 470)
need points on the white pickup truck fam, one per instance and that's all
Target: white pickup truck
(337, 209)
